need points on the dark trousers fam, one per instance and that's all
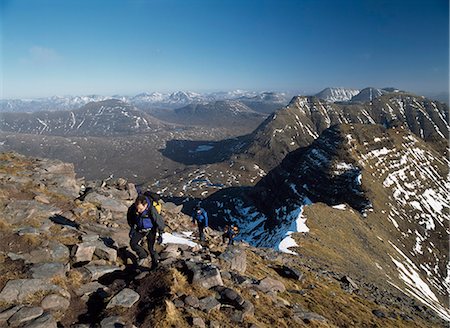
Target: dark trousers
(201, 234)
(230, 238)
(140, 251)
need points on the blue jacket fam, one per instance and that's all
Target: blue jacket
(201, 217)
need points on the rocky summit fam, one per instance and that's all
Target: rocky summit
(65, 261)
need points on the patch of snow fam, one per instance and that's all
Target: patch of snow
(176, 238)
(340, 206)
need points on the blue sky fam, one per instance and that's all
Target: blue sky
(55, 47)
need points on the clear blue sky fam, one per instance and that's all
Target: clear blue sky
(61, 47)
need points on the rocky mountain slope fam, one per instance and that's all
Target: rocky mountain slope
(65, 262)
(104, 118)
(301, 122)
(224, 113)
(386, 191)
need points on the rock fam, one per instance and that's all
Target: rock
(348, 284)
(90, 237)
(306, 315)
(105, 252)
(97, 271)
(248, 308)
(205, 275)
(41, 199)
(192, 301)
(208, 304)
(230, 296)
(89, 288)
(106, 203)
(19, 211)
(379, 313)
(53, 252)
(8, 313)
(291, 273)
(44, 321)
(237, 316)
(83, 252)
(28, 231)
(112, 322)
(25, 314)
(48, 270)
(198, 322)
(55, 302)
(172, 208)
(19, 290)
(234, 258)
(125, 298)
(178, 303)
(270, 285)
(214, 324)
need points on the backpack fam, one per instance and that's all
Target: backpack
(159, 220)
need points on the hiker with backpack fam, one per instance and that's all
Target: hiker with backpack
(201, 217)
(145, 222)
(230, 232)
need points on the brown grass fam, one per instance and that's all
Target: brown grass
(74, 279)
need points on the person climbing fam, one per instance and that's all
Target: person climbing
(230, 233)
(145, 222)
(201, 217)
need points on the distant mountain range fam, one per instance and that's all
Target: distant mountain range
(103, 118)
(264, 102)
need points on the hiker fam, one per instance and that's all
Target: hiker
(144, 221)
(201, 217)
(230, 233)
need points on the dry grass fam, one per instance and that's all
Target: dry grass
(4, 225)
(74, 279)
(31, 240)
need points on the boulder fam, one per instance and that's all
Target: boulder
(25, 314)
(208, 304)
(97, 271)
(291, 273)
(83, 252)
(270, 285)
(125, 298)
(106, 203)
(105, 252)
(89, 288)
(55, 302)
(172, 208)
(205, 275)
(192, 301)
(112, 322)
(8, 313)
(48, 270)
(20, 290)
(44, 321)
(198, 322)
(234, 258)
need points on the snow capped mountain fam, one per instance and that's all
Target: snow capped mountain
(337, 94)
(54, 103)
(368, 94)
(145, 100)
(302, 121)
